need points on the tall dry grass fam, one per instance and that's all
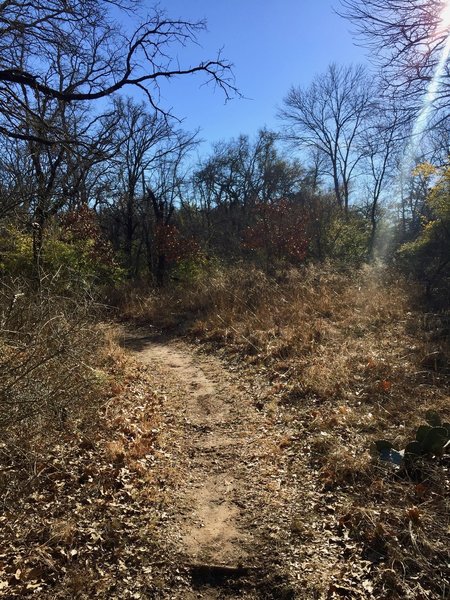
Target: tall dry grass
(51, 381)
(356, 334)
(79, 423)
(348, 357)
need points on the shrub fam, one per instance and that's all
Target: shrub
(75, 254)
(428, 256)
(48, 345)
(16, 251)
(348, 238)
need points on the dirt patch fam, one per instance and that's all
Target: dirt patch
(210, 526)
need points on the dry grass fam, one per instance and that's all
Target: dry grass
(344, 359)
(355, 359)
(78, 501)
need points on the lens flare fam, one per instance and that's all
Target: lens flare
(445, 17)
(411, 151)
(431, 94)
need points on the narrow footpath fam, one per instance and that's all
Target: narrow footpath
(230, 473)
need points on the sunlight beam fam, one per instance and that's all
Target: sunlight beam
(423, 117)
(445, 17)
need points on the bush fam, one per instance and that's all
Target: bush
(348, 239)
(428, 256)
(74, 254)
(16, 252)
(48, 345)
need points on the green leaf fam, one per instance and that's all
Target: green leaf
(422, 432)
(435, 440)
(433, 418)
(383, 445)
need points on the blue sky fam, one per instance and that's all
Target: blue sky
(272, 44)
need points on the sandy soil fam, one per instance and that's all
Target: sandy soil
(215, 419)
(210, 524)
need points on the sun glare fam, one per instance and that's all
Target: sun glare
(445, 17)
(430, 96)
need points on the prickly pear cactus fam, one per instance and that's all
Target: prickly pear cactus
(433, 418)
(435, 440)
(431, 439)
(414, 449)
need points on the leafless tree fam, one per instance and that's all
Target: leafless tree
(146, 144)
(382, 143)
(141, 138)
(408, 38)
(328, 118)
(73, 51)
(44, 179)
(16, 181)
(164, 185)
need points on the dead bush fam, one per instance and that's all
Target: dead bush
(46, 347)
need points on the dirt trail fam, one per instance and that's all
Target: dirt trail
(210, 529)
(221, 434)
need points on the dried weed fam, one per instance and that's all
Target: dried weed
(354, 357)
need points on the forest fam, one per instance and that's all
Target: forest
(265, 322)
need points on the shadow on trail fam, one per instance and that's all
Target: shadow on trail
(138, 340)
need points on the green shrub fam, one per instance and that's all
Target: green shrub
(16, 252)
(428, 256)
(348, 238)
(74, 253)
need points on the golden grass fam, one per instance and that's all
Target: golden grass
(354, 357)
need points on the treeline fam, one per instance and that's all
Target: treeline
(111, 192)
(142, 209)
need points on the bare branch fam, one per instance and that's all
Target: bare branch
(74, 51)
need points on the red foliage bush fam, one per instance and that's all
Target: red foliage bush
(279, 230)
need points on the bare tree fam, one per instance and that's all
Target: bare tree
(147, 143)
(76, 51)
(45, 179)
(16, 181)
(328, 118)
(409, 39)
(163, 193)
(142, 139)
(381, 142)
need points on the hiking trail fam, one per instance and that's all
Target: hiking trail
(228, 476)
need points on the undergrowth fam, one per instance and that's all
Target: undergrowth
(352, 357)
(78, 427)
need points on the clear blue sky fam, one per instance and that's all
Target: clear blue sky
(272, 44)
